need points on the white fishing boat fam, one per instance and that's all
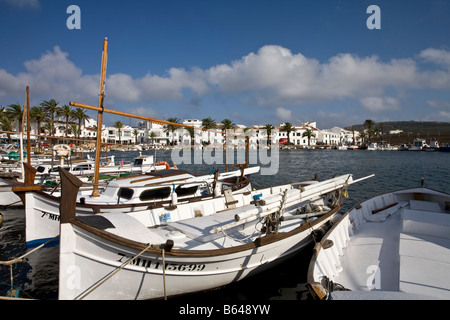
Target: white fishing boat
(418, 145)
(393, 246)
(373, 146)
(47, 171)
(147, 192)
(118, 256)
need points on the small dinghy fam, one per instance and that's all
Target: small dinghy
(393, 246)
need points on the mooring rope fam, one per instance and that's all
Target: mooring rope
(19, 259)
(121, 267)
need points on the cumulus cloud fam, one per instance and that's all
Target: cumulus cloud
(276, 75)
(283, 114)
(438, 56)
(439, 104)
(273, 76)
(53, 75)
(379, 104)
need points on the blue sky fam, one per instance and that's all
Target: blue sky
(254, 62)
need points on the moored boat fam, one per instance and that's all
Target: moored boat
(116, 256)
(418, 145)
(393, 246)
(152, 192)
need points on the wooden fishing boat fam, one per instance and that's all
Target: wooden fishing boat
(150, 192)
(117, 256)
(393, 246)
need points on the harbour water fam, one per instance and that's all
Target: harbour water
(392, 169)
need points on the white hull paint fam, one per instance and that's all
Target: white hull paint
(42, 214)
(116, 256)
(144, 279)
(393, 246)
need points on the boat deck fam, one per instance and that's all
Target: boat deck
(219, 230)
(408, 252)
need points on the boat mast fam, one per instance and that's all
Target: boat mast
(28, 127)
(95, 192)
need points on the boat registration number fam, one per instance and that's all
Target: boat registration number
(156, 264)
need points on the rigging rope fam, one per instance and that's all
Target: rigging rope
(121, 267)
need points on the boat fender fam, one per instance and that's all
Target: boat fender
(217, 192)
(174, 197)
(162, 163)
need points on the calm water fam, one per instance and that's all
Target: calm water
(392, 169)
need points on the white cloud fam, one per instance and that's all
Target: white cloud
(438, 56)
(439, 104)
(283, 114)
(378, 104)
(274, 76)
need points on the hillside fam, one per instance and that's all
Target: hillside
(411, 130)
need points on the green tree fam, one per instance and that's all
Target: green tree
(38, 114)
(369, 124)
(192, 133)
(119, 125)
(6, 123)
(227, 124)
(172, 127)
(269, 128)
(51, 108)
(66, 112)
(15, 112)
(309, 134)
(135, 133)
(288, 128)
(153, 135)
(209, 123)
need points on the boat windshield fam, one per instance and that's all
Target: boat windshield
(126, 193)
(154, 193)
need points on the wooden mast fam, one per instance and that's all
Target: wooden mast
(95, 192)
(28, 127)
(100, 109)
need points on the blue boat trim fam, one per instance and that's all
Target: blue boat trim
(35, 243)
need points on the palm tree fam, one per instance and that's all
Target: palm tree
(51, 107)
(208, 123)
(80, 115)
(66, 112)
(369, 124)
(227, 124)
(6, 124)
(308, 133)
(172, 127)
(38, 114)
(288, 128)
(192, 133)
(118, 125)
(15, 112)
(269, 129)
(75, 129)
(153, 135)
(135, 133)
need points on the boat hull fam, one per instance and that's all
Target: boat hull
(384, 248)
(89, 256)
